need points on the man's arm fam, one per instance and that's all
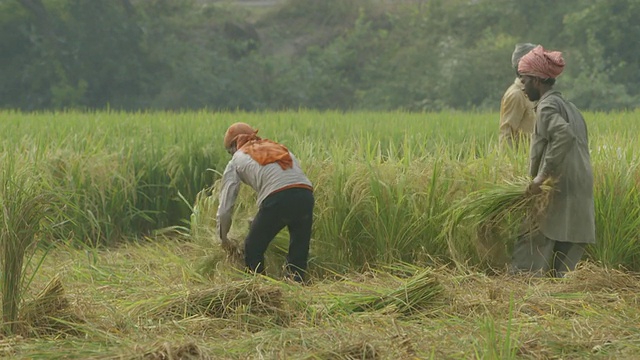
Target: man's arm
(228, 195)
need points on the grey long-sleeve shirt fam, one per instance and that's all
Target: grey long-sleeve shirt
(264, 179)
(560, 149)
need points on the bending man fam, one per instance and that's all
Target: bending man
(284, 196)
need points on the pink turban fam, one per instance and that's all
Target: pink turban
(541, 63)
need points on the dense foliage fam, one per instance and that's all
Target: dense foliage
(333, 54)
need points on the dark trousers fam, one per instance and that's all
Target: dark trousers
(292, 208)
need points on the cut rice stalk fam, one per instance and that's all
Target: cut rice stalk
(218, 302)
(168, 351)
(414, 295)
(49, 313)
(357, 351)
(489, 213)
(234, 252)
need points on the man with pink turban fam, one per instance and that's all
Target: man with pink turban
(516, 111)
(559, 152)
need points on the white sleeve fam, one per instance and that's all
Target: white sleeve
(228, 194)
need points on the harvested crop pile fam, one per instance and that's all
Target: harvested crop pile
(414, 294)
(219, 302)
(49, 313)
(166, 351)
(490, 216)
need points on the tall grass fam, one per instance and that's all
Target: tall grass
(383, 181)
(25, 203)
(617, 203)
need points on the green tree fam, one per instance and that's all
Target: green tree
(104, 47)
(605, 33)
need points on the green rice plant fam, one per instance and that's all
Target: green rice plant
(617, 207)
(333, 199)
(384, 181)
(186, 165)
(377, 211)
(102, 187)
(202, 222)
(25, 203)
(393, 221)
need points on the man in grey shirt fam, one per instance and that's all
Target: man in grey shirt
(559, 150)
(284, 196)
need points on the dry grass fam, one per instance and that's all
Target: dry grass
(218, 302)
(591, 278)
(132, 310)
(166, 351)
(235, 253)
(358, 351)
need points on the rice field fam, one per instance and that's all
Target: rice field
(113, 215)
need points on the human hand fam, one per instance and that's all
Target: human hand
(225, 242)
(534, 187)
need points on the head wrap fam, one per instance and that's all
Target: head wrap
(541, 63)
(521, 50)
(236, 130)
(263, 151)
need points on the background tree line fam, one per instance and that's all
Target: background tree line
(330, 54)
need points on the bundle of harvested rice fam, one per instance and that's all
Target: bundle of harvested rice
(358, 351)
(591, 278)
(218, 302)
(203, 225)
(49, 313)
(415, 294)
(234, 252)
(232, 256)
(166, 351)
(491, 213)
